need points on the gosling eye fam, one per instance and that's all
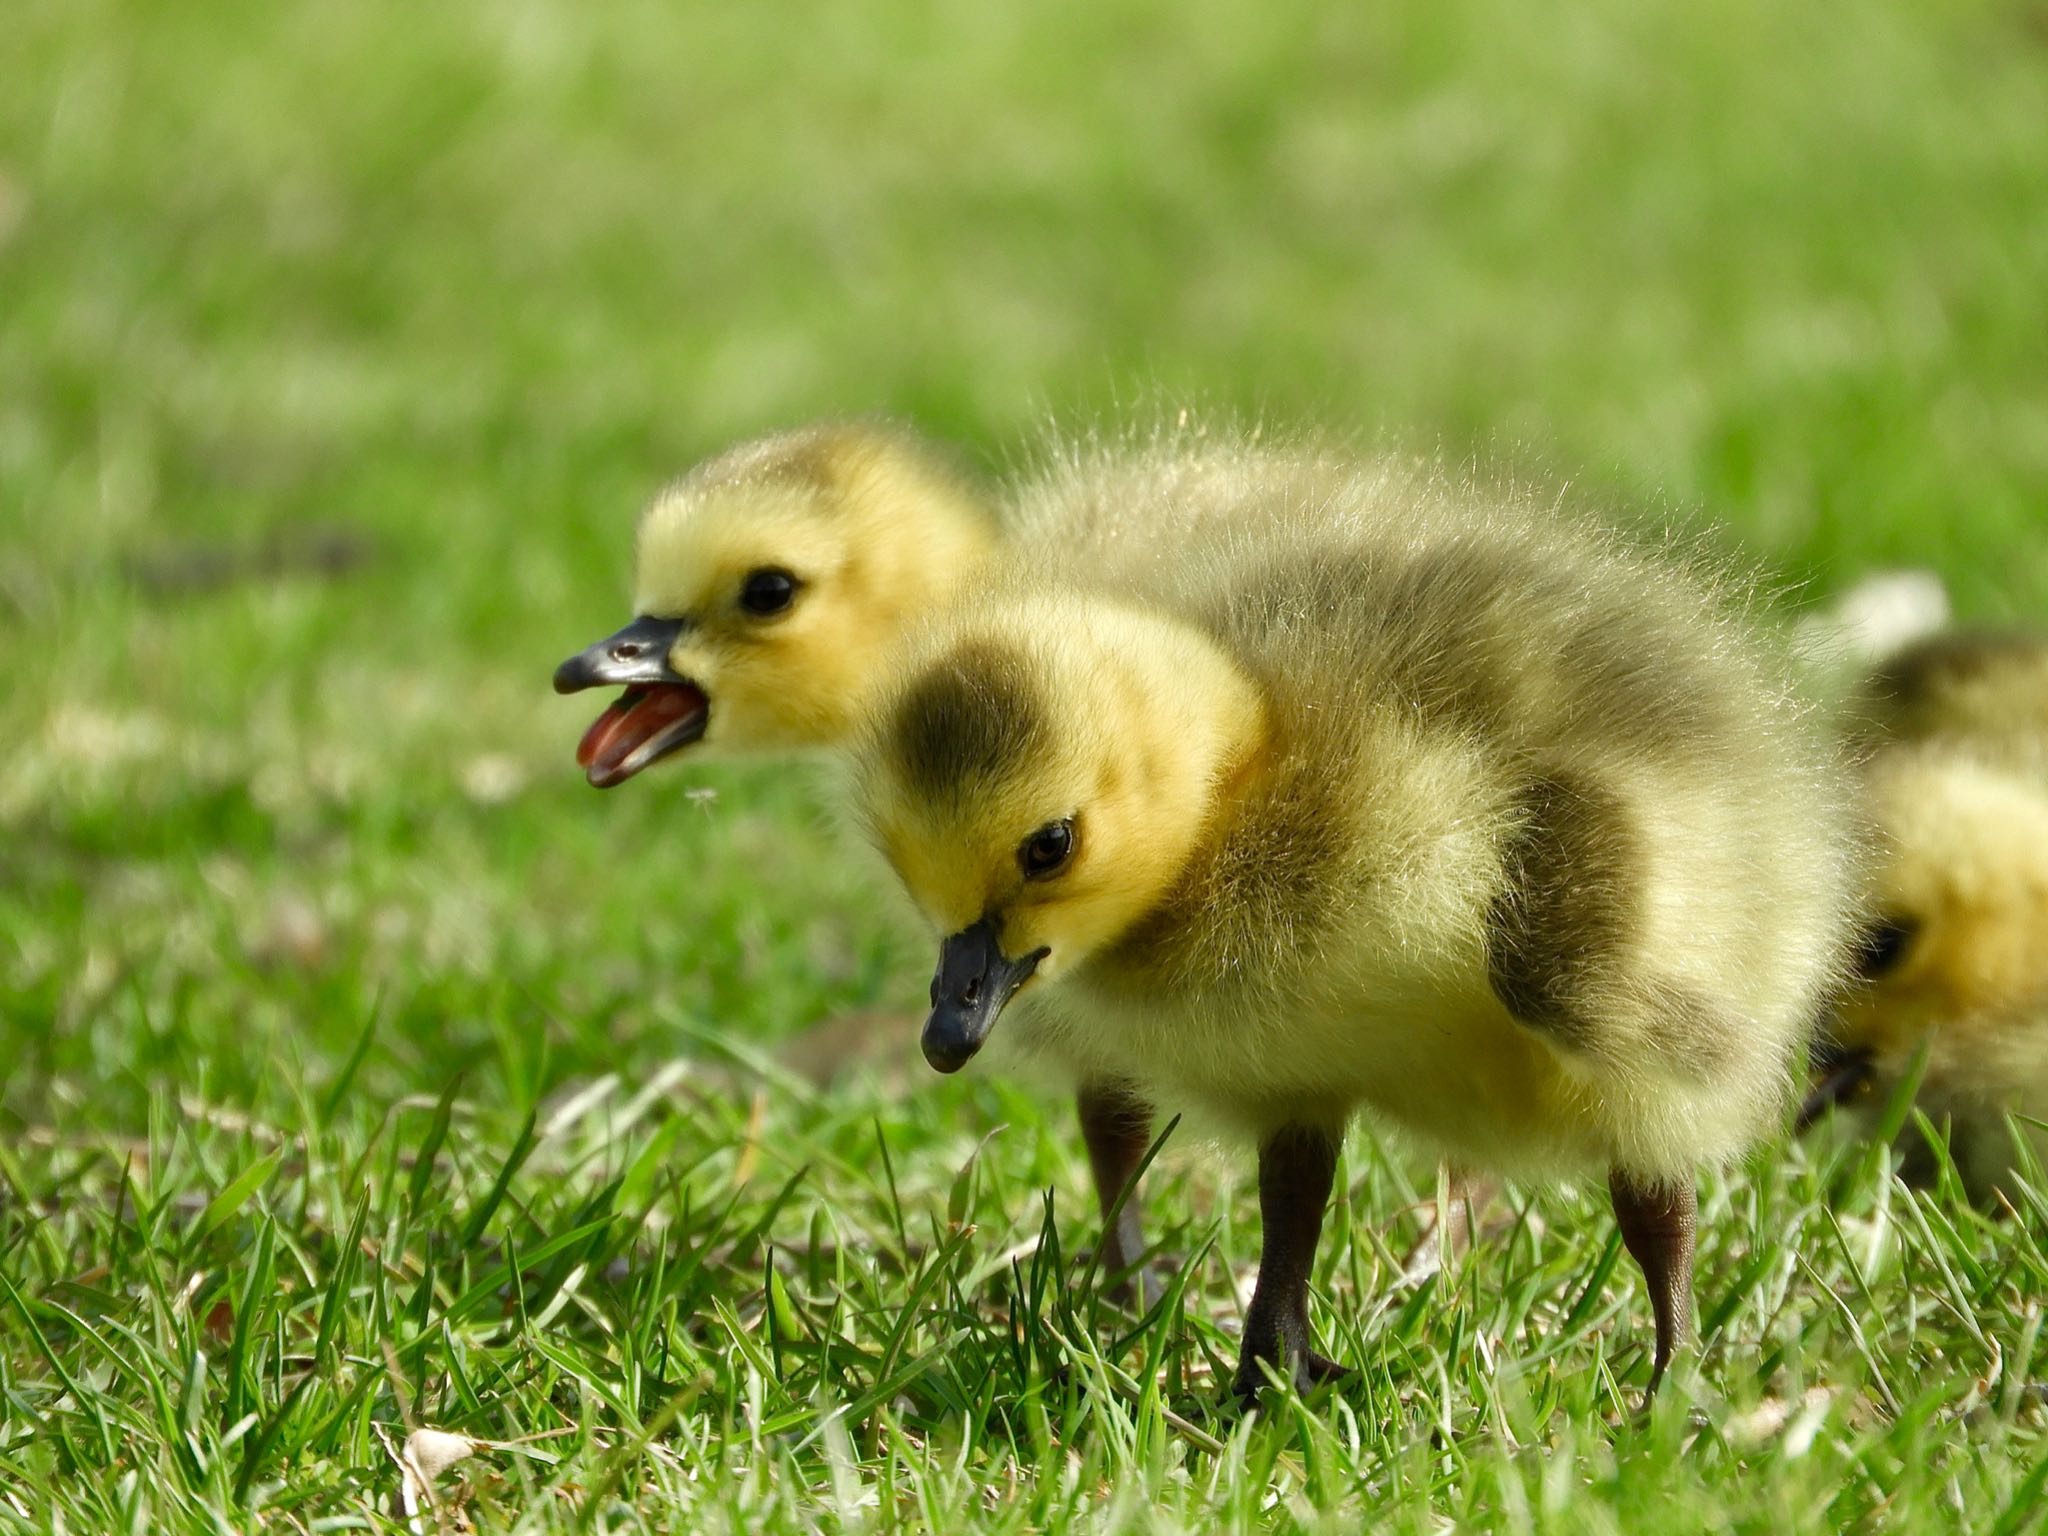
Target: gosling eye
(1046, 851)
(1883, 945)
(767, 591)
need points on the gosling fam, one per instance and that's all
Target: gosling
(1954, 963)
(1432, 805)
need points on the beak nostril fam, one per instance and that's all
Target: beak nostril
(635, 657)
(971, 993)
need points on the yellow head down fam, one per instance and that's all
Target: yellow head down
(1956, 963)
(1040, 771)
(1953, 976)
(769, 582)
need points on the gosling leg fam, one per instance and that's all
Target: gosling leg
(1657, 1225)
(1296, 1168)
(1117, 1126)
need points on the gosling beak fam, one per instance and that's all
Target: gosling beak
(660, 710)
(973, 982)
(636, 654)
(1843, 1073)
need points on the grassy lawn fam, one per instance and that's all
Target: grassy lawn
(362, 1071)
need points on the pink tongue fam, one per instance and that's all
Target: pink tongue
(641, 714)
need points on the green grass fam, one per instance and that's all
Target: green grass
(363, 1070)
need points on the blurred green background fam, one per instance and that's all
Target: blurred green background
(340, 342)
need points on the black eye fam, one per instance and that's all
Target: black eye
(1047, 850)
(768, 590)
(1883, 945)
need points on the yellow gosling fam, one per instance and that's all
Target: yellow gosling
(1428, 804)
(1954, 965)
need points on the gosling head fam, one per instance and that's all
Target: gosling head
(1955, 961)
(1038, 775)
(769, 583)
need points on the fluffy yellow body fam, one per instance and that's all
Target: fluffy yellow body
(1400, 795)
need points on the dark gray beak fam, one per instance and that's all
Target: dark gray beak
(1842, 1075)
(973, 983)
(636, 654)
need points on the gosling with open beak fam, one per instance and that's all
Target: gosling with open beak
(660, 711)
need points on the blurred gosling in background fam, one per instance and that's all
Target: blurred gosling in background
(1953, 967)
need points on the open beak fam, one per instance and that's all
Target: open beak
(1843, 1074)
(973, 982)
(660, 710)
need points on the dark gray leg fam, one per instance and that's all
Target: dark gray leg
(1657, 1224)
(1296, 1168)
(1117, 1126)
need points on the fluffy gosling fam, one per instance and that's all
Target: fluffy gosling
(1428, 805)
(1955, 961)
